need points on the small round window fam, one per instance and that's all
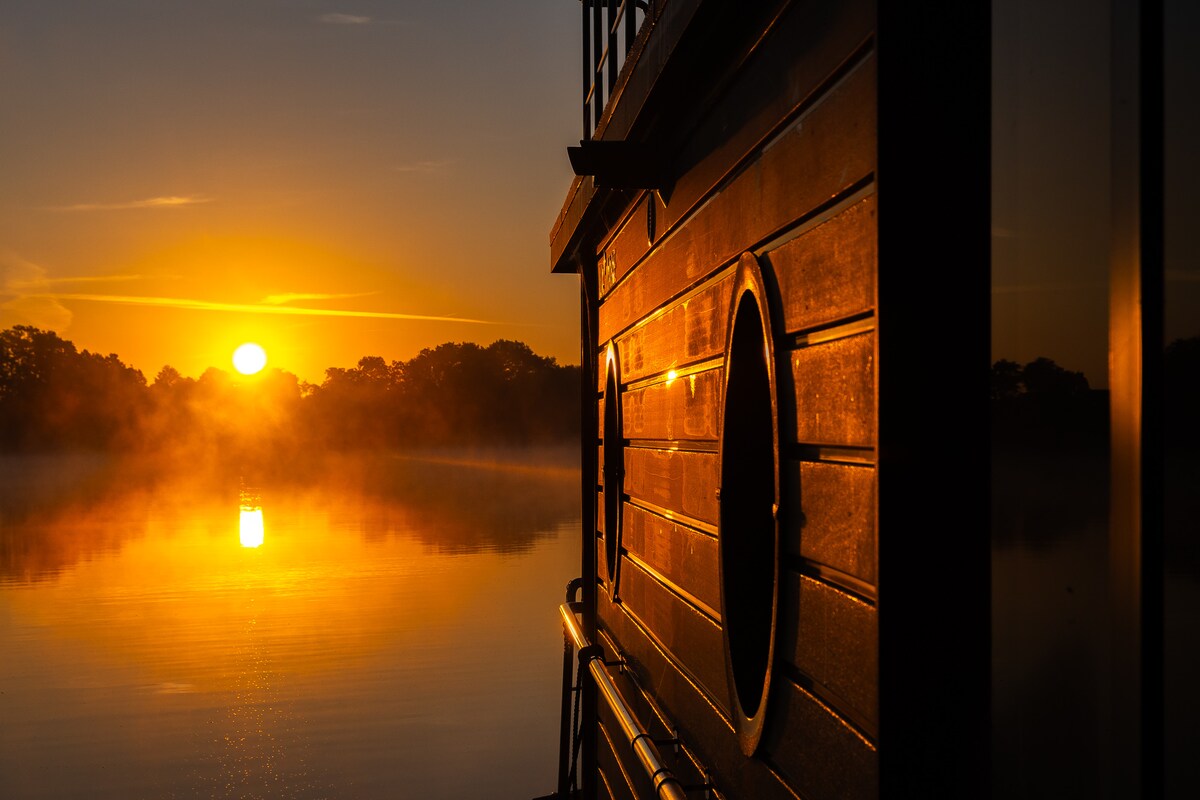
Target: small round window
(614, 471)
(747, 534)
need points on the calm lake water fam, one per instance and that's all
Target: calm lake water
(381, 628)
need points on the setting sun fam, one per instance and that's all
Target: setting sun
(249, 359)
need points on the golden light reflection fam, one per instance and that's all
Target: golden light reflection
(671, 376)
(250, 527)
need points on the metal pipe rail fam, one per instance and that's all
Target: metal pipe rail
(666, 785)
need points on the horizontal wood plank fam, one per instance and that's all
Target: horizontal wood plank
(834, 385)
(649, 717)
(824, 758)
(626, 247)
(772, 84)
(682, 408)
(834, 640)
(835, 523)
(828, 150)
(689, 331)
(677, 480)
(692, 639)
(685, 557)
(828, 273)
(703, 729)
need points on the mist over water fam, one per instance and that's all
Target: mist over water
(360, 626)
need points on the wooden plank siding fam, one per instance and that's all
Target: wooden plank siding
(679, 555)
(685, 407)
(834, 390)
(822, 155)
(677, 480)
(828, 274)
(689, 331)
(835, 526)
(701, 725)
(781, 165)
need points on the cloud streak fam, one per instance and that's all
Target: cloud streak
(293, 297)
(42, 283)
(344, 19)
(169, 201)
(425, 166)
(252, 308)
(25, 307)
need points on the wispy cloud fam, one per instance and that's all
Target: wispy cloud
(425, 166)
(344, 19)
(22, 297)
(170, 201)
(254, 308)
(297, 297)
(41, 283)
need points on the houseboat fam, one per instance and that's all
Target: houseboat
(781, 227)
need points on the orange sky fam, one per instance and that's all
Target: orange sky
(330, 181)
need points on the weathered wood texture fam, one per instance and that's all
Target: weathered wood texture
(652, 719)
(820, 755)
(767, 90)
(828, 150)
(770, 87)
(705, 731)
(693, 639)
(828, 516)
(675, 480)
(681, 555)
(683, 408)
(828, 273)
(687, 332)
(834, 642)
(834, 383)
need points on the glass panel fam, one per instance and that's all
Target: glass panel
(1051, 249)
(1182, 374)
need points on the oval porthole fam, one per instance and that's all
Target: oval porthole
(614, 471)
(748, 538)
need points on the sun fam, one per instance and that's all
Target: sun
(249, 359)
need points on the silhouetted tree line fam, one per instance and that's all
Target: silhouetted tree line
(1044, 404)
(54, 397)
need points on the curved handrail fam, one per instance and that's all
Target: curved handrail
(666, 785)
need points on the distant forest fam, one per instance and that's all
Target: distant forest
(54, 397)
(1043, 405)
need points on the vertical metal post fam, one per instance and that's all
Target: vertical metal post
(589, 435)
(597, 63)
(612, 46)
(587, 71)
(630, 24)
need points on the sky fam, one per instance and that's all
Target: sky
(329, 179)
(1052, 184)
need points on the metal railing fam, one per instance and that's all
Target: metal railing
(666, 785)
(609, 30)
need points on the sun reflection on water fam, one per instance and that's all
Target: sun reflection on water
(250, 527)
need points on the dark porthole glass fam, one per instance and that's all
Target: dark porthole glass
(747, 536)
(614, 472)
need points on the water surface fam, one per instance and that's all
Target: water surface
(380, 628)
